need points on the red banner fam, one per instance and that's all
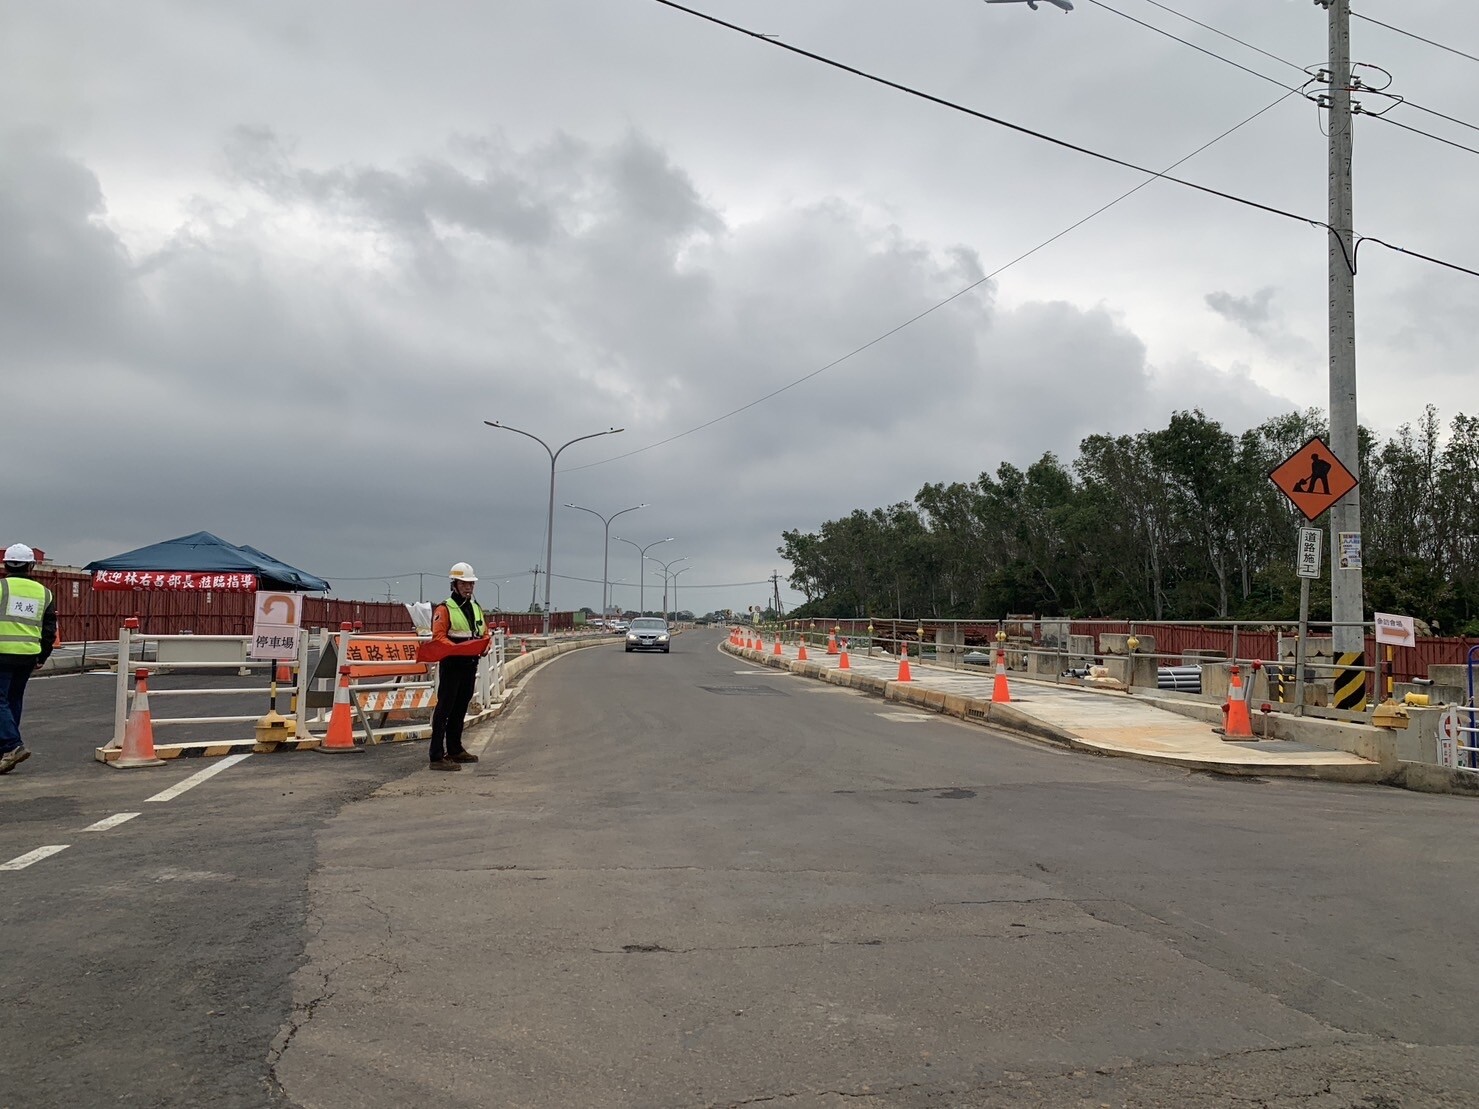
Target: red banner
(182, 581)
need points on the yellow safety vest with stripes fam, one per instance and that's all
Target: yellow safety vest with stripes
(23, 602)
(457, 626)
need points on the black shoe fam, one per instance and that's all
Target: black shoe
(463, 756)
(11, 759)
(444, 764)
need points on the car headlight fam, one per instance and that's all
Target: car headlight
(631, 637)
(663, 638)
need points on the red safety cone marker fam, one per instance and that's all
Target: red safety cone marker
(905, 674)
(1239, 724)
(138, 731)
(801, 651)
(832, 642)
(340, 739)
(777, 652)
(523, 646)
(1000, 694)
(842, 661)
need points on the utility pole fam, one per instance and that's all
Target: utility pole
(1348, 608)
(534, 597)
(775, 586)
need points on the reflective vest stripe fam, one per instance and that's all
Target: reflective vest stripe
(457, 626)
(20, 632)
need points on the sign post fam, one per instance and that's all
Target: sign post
(1307, 566)
(1393, 631)
(1315, 480)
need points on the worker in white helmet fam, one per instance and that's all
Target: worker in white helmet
(27, 633)
(460, 632)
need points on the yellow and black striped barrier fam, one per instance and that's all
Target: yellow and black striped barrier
(1350, 683)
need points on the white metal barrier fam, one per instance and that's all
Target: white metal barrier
(401, 684)
(1458, 738)
(174, 652)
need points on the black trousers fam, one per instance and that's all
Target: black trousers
(455, 680)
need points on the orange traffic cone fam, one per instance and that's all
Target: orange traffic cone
(842, 662)
(138, 732)
(341, 725)
(1239, 724)
(523, 646)
(801, 651)
(284, 672)
(777, 650)
(1000, 694)
(905, 674)
(832, 642)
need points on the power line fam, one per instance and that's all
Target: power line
(1152, 176)
(941, 304)
(770, 40)
(1409, 34)
(1194, 46)
(1419, 131)
(1412, 104)
(1224, 34)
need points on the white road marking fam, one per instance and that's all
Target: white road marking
(20, 862)
(905, 717)
(195, 779)
(110, 822)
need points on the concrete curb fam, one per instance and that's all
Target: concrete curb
(977, 711)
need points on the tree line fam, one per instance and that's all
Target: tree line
(1180, 523)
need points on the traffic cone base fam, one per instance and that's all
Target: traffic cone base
(842, 660)
(138, 730)
(340, 737)
(1000, 693)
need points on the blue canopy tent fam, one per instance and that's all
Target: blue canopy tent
(201, 553)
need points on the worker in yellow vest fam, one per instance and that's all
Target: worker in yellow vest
(27, 633)
(461, 635)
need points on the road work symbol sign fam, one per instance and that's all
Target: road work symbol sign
(1313, 478)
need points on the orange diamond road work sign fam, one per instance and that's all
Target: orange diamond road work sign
(1313, 478)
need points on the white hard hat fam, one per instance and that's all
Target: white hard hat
(461, 571)
(19, 552)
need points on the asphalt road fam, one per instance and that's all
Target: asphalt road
(675, 881)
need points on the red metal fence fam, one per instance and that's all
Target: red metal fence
(84, 613)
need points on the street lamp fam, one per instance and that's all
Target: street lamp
(665, 566)
(549, 532)
(606, 545)
(641, 577)
(675, 589)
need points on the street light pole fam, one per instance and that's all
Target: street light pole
(675, 588)
(642, 577)
(605, 546)
(665, 566)
(549, 532)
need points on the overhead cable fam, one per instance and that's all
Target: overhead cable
(939, 304)
(1409, 34)
(1194, 46)
(1419, 131)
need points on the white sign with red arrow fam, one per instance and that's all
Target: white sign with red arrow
(1396, 631)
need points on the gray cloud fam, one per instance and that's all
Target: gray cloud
(267, 270)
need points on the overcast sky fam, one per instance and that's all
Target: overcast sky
(266, 268)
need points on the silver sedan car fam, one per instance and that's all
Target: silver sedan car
(649, 633)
